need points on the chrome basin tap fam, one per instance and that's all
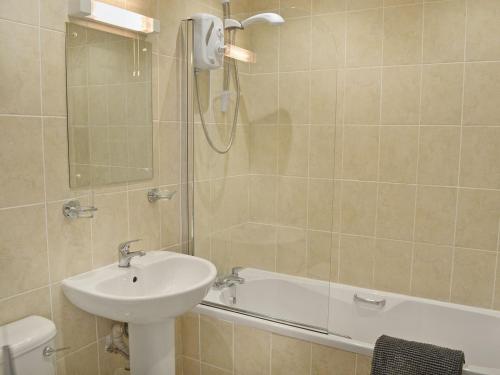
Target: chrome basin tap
(231, 280)
(125, 255)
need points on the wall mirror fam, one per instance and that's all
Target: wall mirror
(109, 96)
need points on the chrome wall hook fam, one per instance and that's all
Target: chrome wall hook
(155, 195)
(73, 210)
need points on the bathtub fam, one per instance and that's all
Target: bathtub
(351, 318)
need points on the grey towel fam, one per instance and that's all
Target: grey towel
(393, 356)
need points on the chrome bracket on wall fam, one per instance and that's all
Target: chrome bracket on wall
(73, 210)
(155, 195)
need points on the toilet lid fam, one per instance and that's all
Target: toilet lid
(26, 334)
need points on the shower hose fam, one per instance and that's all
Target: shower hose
(236, 110)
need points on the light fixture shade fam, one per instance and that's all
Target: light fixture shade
(112, 15)
(240, 54)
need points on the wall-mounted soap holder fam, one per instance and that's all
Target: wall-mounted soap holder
(156, 195)
(73, 210)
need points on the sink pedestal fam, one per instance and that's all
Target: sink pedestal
(152, 348)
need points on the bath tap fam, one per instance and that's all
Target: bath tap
(124, 254)
(231, 280)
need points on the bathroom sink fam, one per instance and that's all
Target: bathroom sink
(156, 287)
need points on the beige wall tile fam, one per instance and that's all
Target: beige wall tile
(364, 36)
(324, 97)
(229, 202)
(144, 220)
(21, 181)
(328, 6)
(55, 139)
(263, 191)
(23, 258)
(360, 156)
(75, 328)
(260, 102)
(321, 248)
(362, 96)
(292, 201)
(293, 146)
(53, 14)
(326, 360)
(246, 252)
(392, 266)
(403, 35)
(191, 335)
(322, 151)
(252, 351)
(320, 204)
(264, 149)
(295, 47)
(190, 367)
(477, 219)
(482, 92)
(363, 4)
(216, 338)
(291, 254)
(480, 165)
(290, 356)
(435, 216)
(109, 227)
(431, 275)
(439, 149)
(401, 95)
(36, 302)
(210, 370)
(395, 211)
(53, 73)
(398, 154)
(473, 277)
(358, 207)
(295, 8)
(442, 94)
(25, 11)
(483, 21)
(263, 41)
(363, 364)
(170, 218)
(294, 95)
(82, 362)
(444, 31)
(497, 287)
(169, 84)
(328, 40)
(356, 260)
(170, 153)
(69, 243)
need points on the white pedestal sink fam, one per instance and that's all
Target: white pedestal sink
(148, 295)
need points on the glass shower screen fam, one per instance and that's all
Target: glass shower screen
(264, 212)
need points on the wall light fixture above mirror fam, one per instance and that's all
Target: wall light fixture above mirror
(101, 12)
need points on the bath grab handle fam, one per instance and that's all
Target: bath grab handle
(377, 302)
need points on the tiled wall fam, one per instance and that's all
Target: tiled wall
(217, 347)
(38, 246)
(415, 176)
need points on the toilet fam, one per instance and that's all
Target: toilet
(27, 339)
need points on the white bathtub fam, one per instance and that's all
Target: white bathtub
(355, 325)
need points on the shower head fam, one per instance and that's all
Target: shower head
(272, 18)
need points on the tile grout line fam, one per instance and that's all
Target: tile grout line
(458, 190)
(415, 206)
(379, 131)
